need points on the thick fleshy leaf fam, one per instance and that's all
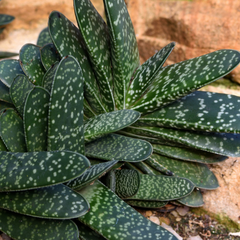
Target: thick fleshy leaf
(195, 199)
(19, 226)
(146, 204)
(4, 93)
(144, 167)
(200, 111)
(49, 55)
(144, 75)
(88, 112)
(124, 51)
(11, 131)
(96, 40)
(108, 122)
(180, 79)
(118, 147)
(91, 174)
(114, 219)
(188, 154)
(198, 173)
(226, 144)
(49, 76)
(2, 146)
(7, 54)
(44, 37)
(154, 188)
(65, 203)
(9, 69)
(30, 61)
(5, 19)
(67, 39)
(30, 170)
(5, 105)
(35, 119)
(19, 90)
(65, 121)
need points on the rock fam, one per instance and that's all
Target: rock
(148, 214)
(195, 238)
(182, 211)
(165, 220)
(155, 220)
(175, 214)
(170, 229)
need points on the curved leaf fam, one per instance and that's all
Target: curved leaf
(4, 93)
(194, 199)
(5, 19)
(44, 37)
(146, 204)
(49, 76)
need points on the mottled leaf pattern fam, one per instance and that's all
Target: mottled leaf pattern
(4, 93)
(67, 39)
(36, 119)
(18, 227)
(202, 111)
(49, 76)
(96, 40)
(30, 61)
(118, 147)
(65, 121)
(144, 75)
(5, 19)
(124, 51)
(11, 131)
(44, 37)
(194, 199)
(108, 122)
(125, 222)
(146, 204)
(9, 69)
(30, 170)
(180, 79)
(33, 202)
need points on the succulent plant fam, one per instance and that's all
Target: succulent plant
(78, 105)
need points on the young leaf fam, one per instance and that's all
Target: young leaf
(65, 121)
(18, 227)
(118, 147)
(124, 51)
(44, 37)
(30, 170)
(65, 203)
(97, 47)
(108, 122)
(126, 223)
(35, 119)
(180, 79)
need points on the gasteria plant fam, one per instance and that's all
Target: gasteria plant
(45, 130)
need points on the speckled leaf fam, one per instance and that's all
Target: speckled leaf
(49, 55)
(124, 51)
(226, 144)
(188, 154)
(194, 199)
(9, 69)
(19, 91)
(28, 170)
(144, 75)
(114, 219)
(64, 202)
(162, 188)
(30, 61)
(180, 79)
(144, 167)
(5, 19)
(4, 93)
(198, 173)
(88, 112)
(200, 111)
(96, 40)
(118, 147)
(146, 204)
(44, 37)
(5, 105)
(108, 122)
(19, 226)
(91, 174)
(35, 119)
(11, 131)
(49, 76)
(67, 39)
(65, 122)
(2, 146)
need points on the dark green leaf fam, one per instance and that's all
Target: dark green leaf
(88, 112)
(9, 69)
(49, 76)
(5, 19)
(30, 170)
(65, 122)
(126, 223)
(35, 119)
(5, 105)
(118, 147)
(182, 78)
(44, 37)
(194, 199)
(12, 132)
(7, 54)
(28, 228)
(64, 202)
(4, 93)
(144, 167)
(30, 60)
(144, 75)
(146, 204)
(96, 40)
(108, 122)
(124, 51)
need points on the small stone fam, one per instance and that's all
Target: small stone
(165, 220)
(155, 220)
(178, 219)
(148, 214)
(195, 238)
(175, 214)
(182, 211)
